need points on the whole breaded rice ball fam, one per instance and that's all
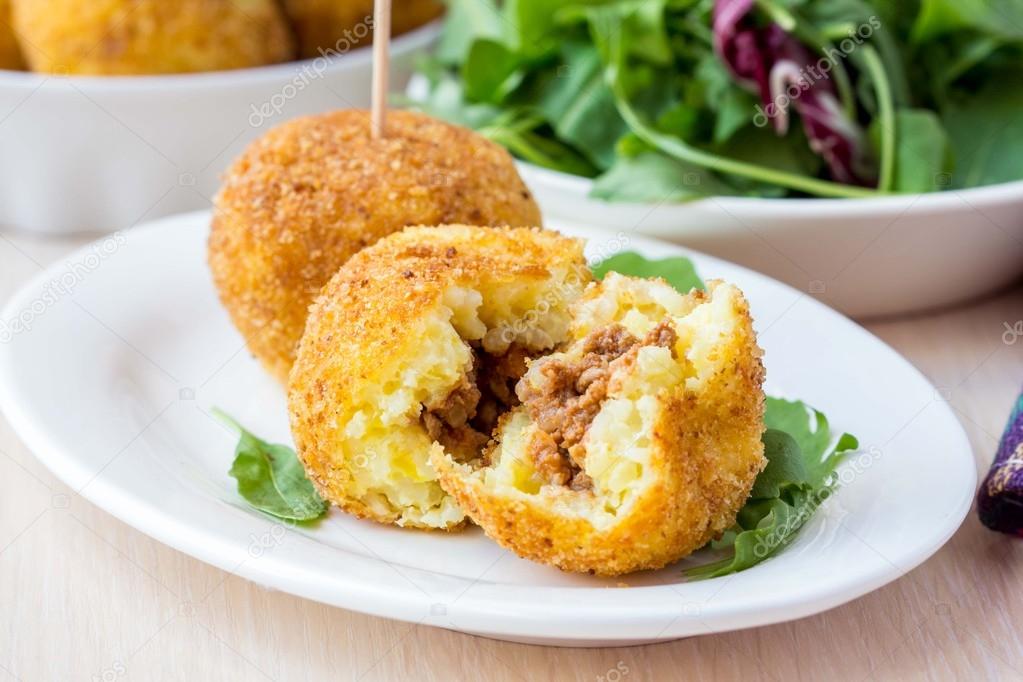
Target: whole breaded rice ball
(312, 192)
(123, 37)
(634, 444)
(336, 26)
(10, 51)
(414, 347)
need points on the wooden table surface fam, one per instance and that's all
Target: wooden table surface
(84, 596)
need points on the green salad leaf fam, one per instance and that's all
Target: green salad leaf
(465, 22)
(801, 450)
(811, 431)
(655, 178)
(580, 107)
(923, 157)
(271, 478)
(679, 271)
(635, 94)
(986, 130)
(802, 455)
(785, 465)
(939, 17)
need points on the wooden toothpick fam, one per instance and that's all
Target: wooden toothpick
(381, 65)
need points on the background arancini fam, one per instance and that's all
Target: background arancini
(108, 37)
(309, 194)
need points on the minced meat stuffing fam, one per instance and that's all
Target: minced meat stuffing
(570, 393)
(462, 421)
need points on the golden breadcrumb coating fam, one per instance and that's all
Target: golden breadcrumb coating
(107, 37)
(310, 193)
(667, 460)
(393, 335)
(10, 51)
(340, 25)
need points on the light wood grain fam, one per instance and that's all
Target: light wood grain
(84, 596)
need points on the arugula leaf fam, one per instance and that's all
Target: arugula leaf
(580, 107)
(777, 522)
(987, 132)
(465, 22)
(531, 24)
(271, 478)
(651, 177)
(923, 152)
(785, 465)
(519, 132)
(733, 114)
(811, 431)
(801, 459)
(640, 24)
(447, 101)
(888, 20)
(489, 70)
(679, 271)
(790, 153)
(1003, 18)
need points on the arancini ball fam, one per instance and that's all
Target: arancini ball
(327, 26)
(124, 37)
(633, 445)
(10, 51)
(415, 346)
(312, 192)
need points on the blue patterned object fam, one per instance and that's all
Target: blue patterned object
(1000, 498)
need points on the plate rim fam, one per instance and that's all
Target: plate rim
(205, 544)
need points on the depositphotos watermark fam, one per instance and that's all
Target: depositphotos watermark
(1012, 333)
(790, 82)
(854, 467)
(114, 671)
(615, 674)
(608, 247)
(311, 71)
(272, 537)
(63, 285)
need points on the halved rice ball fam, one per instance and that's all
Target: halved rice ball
(635, 444)
(415, 346)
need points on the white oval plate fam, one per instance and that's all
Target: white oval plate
(111, 361)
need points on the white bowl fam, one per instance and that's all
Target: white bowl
(866, 257)
(82, 154)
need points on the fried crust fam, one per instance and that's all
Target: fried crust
(706, 453)
(123, 37)
(363, 317)
(312, 192)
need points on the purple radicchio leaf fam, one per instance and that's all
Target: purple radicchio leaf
(784, 73)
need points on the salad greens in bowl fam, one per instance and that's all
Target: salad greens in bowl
(864, 151)
(763, 98)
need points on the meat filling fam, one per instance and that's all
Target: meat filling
(570, 394)
(447, 421)
(498, 375)
(563, 405)
(462, 421)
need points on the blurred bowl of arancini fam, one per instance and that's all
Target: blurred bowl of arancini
(114, 112)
